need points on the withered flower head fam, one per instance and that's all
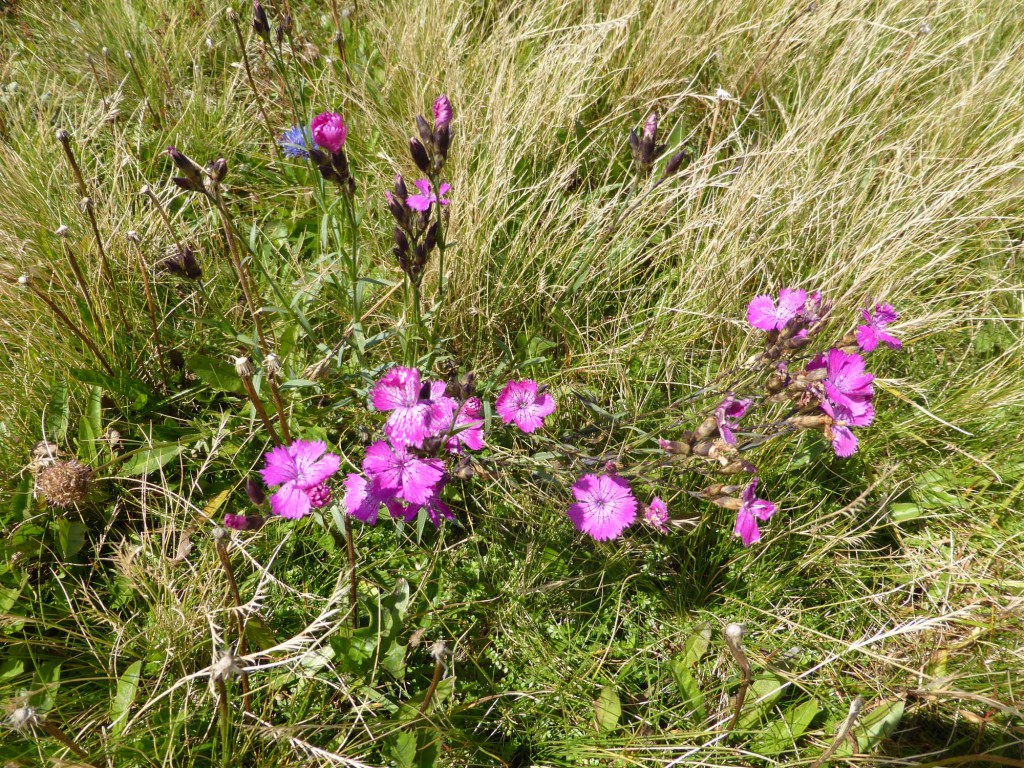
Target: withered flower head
(65, 483)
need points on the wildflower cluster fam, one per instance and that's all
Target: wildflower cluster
(323, 142)
(416, 231)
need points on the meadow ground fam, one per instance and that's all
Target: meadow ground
(869, 149)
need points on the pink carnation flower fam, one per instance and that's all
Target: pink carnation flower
(844, 442)
(426, 197)
(300, 469)
(763, 312)
(728, 414)
(468, 429)
(604, 506)
(519, 402)
(846, 382)
(418, 411)
(656, 515)
(363, 498)
(435, 508)
(442, 111)
(408, 477)
(751, 510)
(329, 131)
(869, 335)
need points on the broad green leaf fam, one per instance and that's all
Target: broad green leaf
(403, 749)
(44, 685)
(259, 634)
(127, 688)
(782, 734)
(764, 691)
(607, 709)
(696, 646)
(126, 386)
(430, 748)
(70, 537)
(876, 725)
(218, 374)
(689, 691)
(150, 459)
(11, 669)
(57, 412)
(9, 595)
(87, 448)
(21, 499)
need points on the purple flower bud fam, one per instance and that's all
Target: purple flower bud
(401, 192)
(329, 131)
(424, 129)
(419, 154)
(442, 111)
(401, 241)
(255, 492)
(244, 522)
(191, 178)
(260, 25)
(651, 127)
(674, 162)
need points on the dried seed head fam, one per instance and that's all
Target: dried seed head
(23, 281)
(243, 367)
(23, 719)
(65, 483)
(232, 16)
(62, 231)
(133, 237)
(225, 667)
(63, 136)
(439, 650)
(272, 365)
(734, 633)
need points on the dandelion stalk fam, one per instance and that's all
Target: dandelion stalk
(438, 650)
(245, 371)
(252, 82)
(844, 733)
(219, 534)
(151, 306)
(733, 639)
(350, 545)
(53, 730)
(86, 203)
(66, 321)
(142, 90)
(76, 269)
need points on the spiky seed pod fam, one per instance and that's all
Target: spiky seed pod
(65, 483)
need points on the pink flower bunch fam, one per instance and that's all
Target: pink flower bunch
(401, 473)
(846, 399)
(329, 133)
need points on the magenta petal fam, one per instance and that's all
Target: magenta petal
(423, 185)
(746, 527)
(791, 302)
(321, 470)
(418, 479)
(867, 338)
(360, 503)
(844, 442)
(885, 314)
(761, 313)
(419, 202)
(396, 388)
(280, 466)
(890, 341)
(763, 510)
(290, 502)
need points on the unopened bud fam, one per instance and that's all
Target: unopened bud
(707, 428)
(810, 421)
(254, 490)
(419, 154)
(675, 447)
(674, 163)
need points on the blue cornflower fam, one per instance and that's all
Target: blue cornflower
(295, 143)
